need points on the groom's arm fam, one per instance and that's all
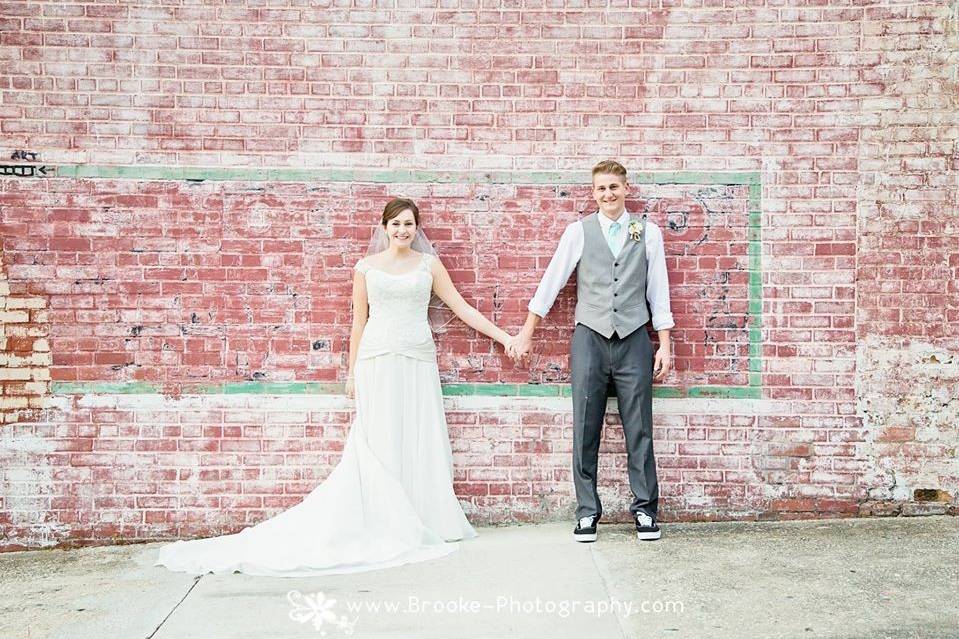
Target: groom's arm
(561, 266)
(657, 294)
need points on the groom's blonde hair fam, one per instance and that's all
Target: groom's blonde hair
(610, 167)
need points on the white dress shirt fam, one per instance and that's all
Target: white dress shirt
(570, 250)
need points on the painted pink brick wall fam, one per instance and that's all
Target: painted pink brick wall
(842, 110)
(171, 283)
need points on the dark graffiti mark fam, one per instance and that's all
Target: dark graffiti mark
(498, 302)
(677, 221)
(721, 318)
(688, 223)
(99, 280)
(321, 345)
(691, 221)
(24, 170)
(553, 372)
(26, 156)
(714, 193)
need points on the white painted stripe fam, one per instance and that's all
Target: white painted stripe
(321, 402)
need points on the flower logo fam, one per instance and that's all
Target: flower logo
(318, 609)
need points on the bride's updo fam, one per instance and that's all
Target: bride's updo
(396, 206)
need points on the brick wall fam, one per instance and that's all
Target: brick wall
(908, 261)
(187, 187)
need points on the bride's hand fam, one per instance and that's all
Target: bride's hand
(509, 345)
(348, 387)
(513, 348)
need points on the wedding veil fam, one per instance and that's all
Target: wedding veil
(439, 314)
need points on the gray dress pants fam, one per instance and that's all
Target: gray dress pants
(626, 364)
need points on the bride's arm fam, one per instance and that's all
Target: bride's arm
(446, 291)
(361, 311)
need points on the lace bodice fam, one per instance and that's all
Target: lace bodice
(398, 304)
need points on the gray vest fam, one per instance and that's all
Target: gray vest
(611, 291)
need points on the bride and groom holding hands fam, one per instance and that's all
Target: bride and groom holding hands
(390, 499)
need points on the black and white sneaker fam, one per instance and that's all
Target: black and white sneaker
(586, 528)
(646, 527)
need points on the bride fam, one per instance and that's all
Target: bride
(390, 499)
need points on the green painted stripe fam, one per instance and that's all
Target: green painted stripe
(281, 388)
(504, 390)
(670, 392)
(727, 392)
(102, 388)
(390, 176)
(755, 286)
(755, 196)
(752, 179)
(695, 177)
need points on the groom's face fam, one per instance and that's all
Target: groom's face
(610, 191)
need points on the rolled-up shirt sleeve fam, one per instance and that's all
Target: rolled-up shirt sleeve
(567, 256)
(657, 283)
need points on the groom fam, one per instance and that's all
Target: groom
(620, 268)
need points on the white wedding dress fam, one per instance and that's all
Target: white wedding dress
(390, 499)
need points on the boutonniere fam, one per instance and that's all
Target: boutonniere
(635, 231)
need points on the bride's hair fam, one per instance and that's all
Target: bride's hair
(396, 206)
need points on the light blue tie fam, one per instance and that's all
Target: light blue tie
(612, 239)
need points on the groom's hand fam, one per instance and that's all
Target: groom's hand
(662, 363)
(522, 343)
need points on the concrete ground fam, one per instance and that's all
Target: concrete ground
(867, 578)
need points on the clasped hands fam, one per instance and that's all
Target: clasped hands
(518, 347)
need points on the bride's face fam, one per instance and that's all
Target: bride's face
(401, 229)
